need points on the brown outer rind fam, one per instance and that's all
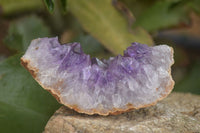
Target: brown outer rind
(32, 70)
(114, 111)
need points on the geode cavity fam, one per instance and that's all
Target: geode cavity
(139, 78)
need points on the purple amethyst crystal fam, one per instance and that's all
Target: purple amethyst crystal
(139, 78)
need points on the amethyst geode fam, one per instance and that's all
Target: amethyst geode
(139, 78)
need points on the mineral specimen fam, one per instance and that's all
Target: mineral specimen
(139, 78)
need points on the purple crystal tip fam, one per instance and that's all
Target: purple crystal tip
(137, 79)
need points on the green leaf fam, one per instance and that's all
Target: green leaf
(16, 6)
(21, 32)
(50, 5)
(25, 107)
(191, 82)
(106, 24)
(195, 5)
(89, 44)
(63, 4)
(163, 14)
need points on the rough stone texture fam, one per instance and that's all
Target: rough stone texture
(178, 113)
(137, 79)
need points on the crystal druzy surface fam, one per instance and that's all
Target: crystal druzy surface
(139, 78)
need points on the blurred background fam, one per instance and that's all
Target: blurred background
(104, 28)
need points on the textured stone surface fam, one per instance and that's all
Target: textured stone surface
(178, 113)
(139, 78)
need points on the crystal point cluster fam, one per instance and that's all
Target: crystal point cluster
(139, 78)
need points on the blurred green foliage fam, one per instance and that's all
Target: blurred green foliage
(22, 31)
(89, 44)
(24, 105)
(106, 24)
(49, 4)
(166, 13)
(16, 6)
(102, 30)
(191, 82)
